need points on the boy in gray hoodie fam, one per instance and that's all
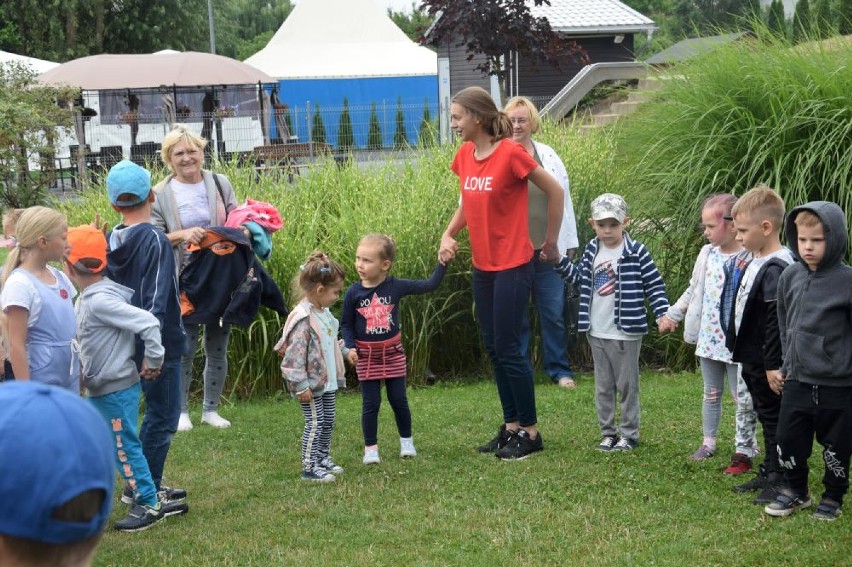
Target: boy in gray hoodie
(107, 326)
(815, 323)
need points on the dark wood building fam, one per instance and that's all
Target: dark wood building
(605, 29)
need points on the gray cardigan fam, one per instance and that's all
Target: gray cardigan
(165, 214)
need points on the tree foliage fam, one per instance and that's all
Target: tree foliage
(494, 28)
(413, 23)
(426, 136)
(345, 135)
(374, 135)
(775, 19)
(60, 30)
(318, 131)
(29, 117)
(801, 21)
(844, 17)
(400, 136)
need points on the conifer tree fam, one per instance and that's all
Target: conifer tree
(400, 136)
(319, 126)
(426, 135)
(345, 135)
(801, 21)
(374, 136)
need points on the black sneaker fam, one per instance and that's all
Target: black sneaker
(500, 441)
(520, 447)
(140, 518)
(172, 507)
(769, 494)
(607, 443)
(755, 484)
(171, 494)
(625, 444)
(166, 493)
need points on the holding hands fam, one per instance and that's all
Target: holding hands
(666, 325)
(449, 248)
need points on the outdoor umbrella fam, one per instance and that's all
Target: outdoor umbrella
(187, 69)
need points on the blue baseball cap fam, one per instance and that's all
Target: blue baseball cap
(127, 178)
(54, 446)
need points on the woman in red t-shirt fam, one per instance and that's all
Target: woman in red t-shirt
(493, 172)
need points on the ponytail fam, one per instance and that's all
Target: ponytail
(502, 126)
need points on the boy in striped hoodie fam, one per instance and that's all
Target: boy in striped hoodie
(615, 276)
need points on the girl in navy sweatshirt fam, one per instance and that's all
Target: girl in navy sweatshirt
(370, 325)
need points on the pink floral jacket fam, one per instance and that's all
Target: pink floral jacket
(303, 364)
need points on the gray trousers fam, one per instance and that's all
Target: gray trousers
(215, 364)
(617, 370)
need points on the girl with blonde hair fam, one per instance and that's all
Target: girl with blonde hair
(37, 300)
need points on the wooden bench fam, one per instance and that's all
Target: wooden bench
(287, 158)
(285, 152)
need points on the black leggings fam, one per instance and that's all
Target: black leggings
(371, 399)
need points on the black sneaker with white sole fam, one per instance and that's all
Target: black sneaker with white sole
(165, 493)
(503, 437)
(520, 447)
(140, 518)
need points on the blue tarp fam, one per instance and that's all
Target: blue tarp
(415, 93)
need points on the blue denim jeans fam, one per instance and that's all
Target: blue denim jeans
(501, 300)
(121, 412)
(548, 292)
(162, 412)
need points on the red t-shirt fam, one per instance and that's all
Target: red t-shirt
(494, 198)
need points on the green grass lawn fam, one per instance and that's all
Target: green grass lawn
(569, 505)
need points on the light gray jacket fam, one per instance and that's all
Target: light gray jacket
(107, 326)
(165, 215)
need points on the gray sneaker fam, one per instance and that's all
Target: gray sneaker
(140, 518)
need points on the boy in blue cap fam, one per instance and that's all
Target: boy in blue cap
(56, 450)
(140, 257)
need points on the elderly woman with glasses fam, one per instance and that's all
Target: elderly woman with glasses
(189, 200)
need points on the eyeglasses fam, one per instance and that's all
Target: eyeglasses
(183, 153)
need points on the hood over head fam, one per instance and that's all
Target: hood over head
(834, 226)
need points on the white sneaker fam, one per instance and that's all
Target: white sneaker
(184, 423)
(371, 456)
(213, 418)
(406, 448)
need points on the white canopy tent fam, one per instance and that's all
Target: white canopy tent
(341, 38)
(37, 65)
(328, 51)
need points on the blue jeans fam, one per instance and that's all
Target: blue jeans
(121, 412)
(162, 412)
(501, 300)
(548, 291)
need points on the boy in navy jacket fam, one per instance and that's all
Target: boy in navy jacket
(141, 258)
(616, 274)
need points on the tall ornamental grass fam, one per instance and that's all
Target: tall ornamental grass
(746, 113)
(330, 206)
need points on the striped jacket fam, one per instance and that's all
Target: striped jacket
(638, 278)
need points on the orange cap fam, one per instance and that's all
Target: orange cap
(87, 243)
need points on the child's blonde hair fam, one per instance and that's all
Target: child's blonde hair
(762, 203)
(318, 270)
(10, 221)
(385, 244)
(34, 223)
